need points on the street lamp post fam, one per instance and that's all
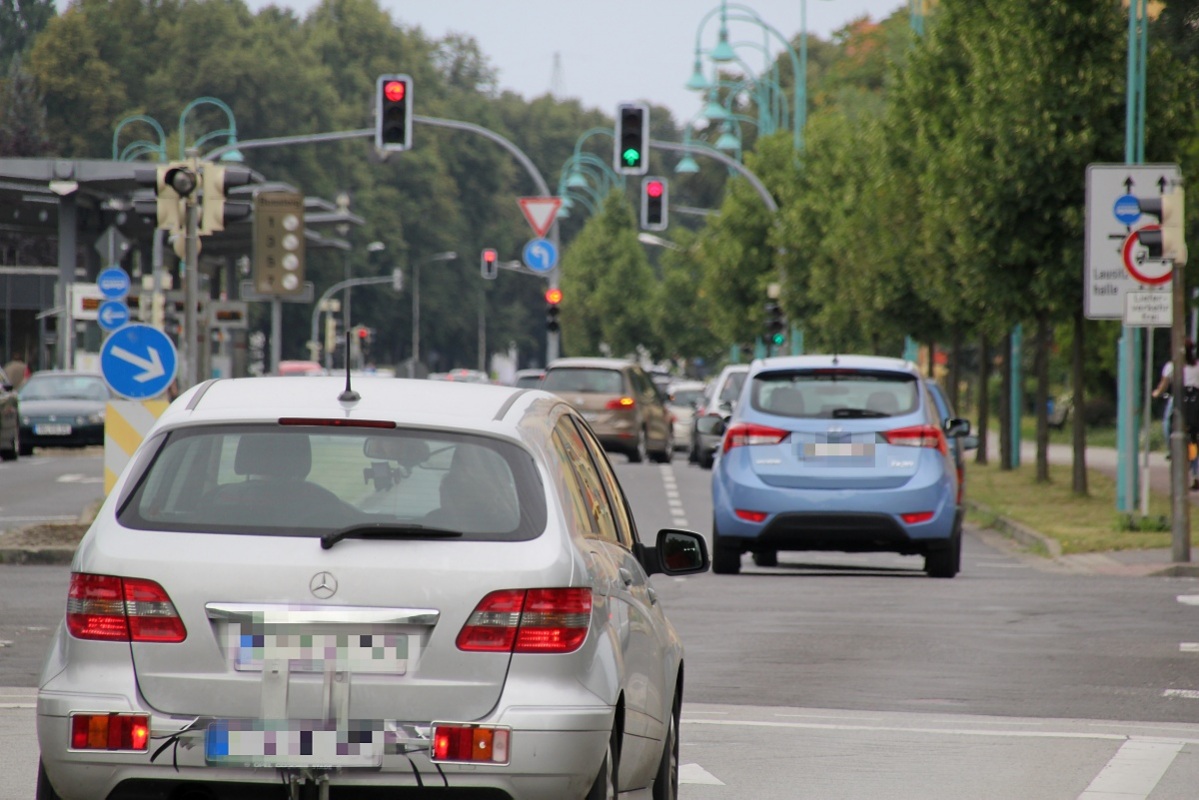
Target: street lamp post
(448, 255)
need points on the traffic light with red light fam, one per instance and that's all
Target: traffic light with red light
(393, 112)
(489, 265)
(654, 194)
(552, 298)
(631, 155)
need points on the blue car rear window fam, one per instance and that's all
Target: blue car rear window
(835, 393)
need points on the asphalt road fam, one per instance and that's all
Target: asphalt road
(855, 676)
(52, 485)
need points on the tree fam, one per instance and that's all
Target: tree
(22, 115)
(20, 22)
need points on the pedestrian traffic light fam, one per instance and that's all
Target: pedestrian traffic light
(654, 194)
(393, 112)
(279, 243)
(1168, 241)
(776, 326)
(489, 265)
(631, 155)
(552, 298)
(215, 210)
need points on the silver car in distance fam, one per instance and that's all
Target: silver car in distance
(295, 591)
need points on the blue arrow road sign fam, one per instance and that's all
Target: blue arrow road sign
(112, 314)
(540, 255)
(138, 362)
(113, 283)
(1127, 209)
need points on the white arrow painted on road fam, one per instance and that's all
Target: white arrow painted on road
(153, 366)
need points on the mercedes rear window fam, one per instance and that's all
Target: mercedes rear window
(583, 379)
(308, 480)
(835, 393)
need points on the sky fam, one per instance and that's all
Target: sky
(610, 51)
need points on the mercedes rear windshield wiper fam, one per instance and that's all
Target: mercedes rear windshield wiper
(383, 530)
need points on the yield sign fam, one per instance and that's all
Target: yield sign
(540, 212)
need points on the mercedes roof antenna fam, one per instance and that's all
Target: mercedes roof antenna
(349, 395)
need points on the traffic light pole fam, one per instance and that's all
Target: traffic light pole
(191, 287)
(332, 290)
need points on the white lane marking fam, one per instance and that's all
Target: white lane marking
(40, 519)
(1028, 734)
(678, 517)
(1189, 599)
(1189, 647)
(1186, 694)
(73, 477)
(1134, 771)
(694, 773)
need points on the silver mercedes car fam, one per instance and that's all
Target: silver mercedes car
(399, 588)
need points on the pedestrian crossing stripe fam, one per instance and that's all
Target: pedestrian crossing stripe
(126, 423)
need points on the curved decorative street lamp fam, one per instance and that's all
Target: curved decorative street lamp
(141, 146)
(229, 132)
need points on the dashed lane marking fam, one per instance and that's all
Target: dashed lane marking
(694, 773)
(678, 516)
(1189, 599)
(1186, 694)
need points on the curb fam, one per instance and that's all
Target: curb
(52, 554)
(1095, 563)
(1034, 540)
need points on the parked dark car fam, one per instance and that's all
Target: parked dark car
(63, 409)
(10, 418)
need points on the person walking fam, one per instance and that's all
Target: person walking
(1190, 405)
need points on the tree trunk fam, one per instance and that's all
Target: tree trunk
(932, 359)
(955, 368)
(1078, 424)
(1042, 412)
(1006, 460)
(984, 397)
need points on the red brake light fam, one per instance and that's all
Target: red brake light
(108, 608)
(751, 516)
(620, 404)
(464, 742)
(532, 621)
(919, 436)
(747, 433)
(916, 517)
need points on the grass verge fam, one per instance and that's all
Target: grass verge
(1081, 524)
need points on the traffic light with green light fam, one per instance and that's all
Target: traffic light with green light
(776, 326)
(631, 155)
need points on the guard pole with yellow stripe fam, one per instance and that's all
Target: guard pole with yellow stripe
(126, 423)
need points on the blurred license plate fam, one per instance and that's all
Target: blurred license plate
(52, 430)
(591, 416)
(385, 653)
(837, 449)
(293, 743)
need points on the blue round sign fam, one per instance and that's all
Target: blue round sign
(112, 314)
(540, 255)
(1127, 209)
(138, 362)
(113, 283)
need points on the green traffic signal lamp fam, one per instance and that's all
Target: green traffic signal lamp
(778, 338)
(631, 141)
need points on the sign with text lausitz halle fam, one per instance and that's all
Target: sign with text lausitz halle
(1112, 217)
(540, 212)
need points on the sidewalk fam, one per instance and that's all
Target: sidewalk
(1156, 562)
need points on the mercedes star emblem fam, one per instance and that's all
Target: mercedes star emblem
(323, 585)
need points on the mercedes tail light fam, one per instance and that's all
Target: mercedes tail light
(110, 608)
(528, 621)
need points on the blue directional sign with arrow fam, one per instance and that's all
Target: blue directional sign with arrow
(138, 362)
(112, 314)
(113, 283)
(540, 255)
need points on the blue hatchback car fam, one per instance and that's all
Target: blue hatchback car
(837, 452)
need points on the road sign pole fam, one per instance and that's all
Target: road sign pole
(1180, 505)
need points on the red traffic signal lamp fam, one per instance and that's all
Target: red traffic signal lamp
(489, 265)
(654, 194)
(393, 112)
(552, 298)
